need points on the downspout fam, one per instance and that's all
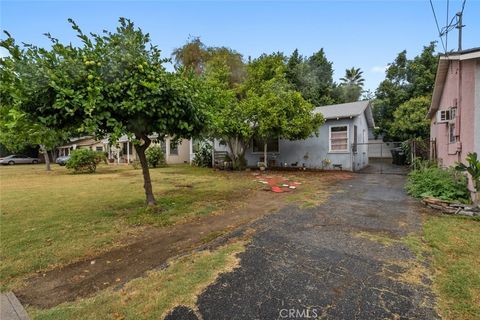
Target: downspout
(459, 109)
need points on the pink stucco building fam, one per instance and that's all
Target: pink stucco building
(455, 109)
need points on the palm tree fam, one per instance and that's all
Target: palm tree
(352, 77)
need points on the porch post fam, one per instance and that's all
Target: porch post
(191, 151)
(128, 151)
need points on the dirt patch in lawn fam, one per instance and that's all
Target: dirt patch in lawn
(149, 251)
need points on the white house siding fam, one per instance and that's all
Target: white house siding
(360, 158)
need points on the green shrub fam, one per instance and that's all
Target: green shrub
(84, 160)
(203, 156)
(155, 156)
(432, 181)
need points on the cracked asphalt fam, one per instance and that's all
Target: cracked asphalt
(312, 263)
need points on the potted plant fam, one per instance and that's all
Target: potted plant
(326, 163)
(261, 166)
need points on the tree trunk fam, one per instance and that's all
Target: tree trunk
(265, 154)
(213, 153)
(54, 154)
(237, 152)
(147, 182)
(43, 149)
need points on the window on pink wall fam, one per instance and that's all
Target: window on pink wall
(452, 138)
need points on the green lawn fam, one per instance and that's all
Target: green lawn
(454, 243)
(53, 218)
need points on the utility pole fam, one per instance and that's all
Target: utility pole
(459, 27)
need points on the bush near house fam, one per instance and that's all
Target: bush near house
(155, 157)
(84, 160)
(203, 157)
(429, 180)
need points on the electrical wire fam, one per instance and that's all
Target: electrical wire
(454, 23)
(438, 27)
(446, 21)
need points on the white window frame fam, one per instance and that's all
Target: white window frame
(274, 152)
(448, 115)
(452, 139)
(330, 139)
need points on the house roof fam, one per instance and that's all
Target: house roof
(442, 71)
(81, 142)
(347, 110)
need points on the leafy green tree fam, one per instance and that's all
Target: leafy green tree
(405, 79)
(344, 93)
(409, 119)
(115, 84)
(18, 129)
(351, 86)
(229, 60)
(353, 76)
(312, 77)
(192, 55)
(17, 132)
(264, 105)
(276, 110)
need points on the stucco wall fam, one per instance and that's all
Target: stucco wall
(447, 152)
(183, 155)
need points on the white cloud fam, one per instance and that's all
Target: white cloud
(4, 53)
(379, 69)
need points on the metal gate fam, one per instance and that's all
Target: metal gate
(379, 158)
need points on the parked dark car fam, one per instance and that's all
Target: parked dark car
(62, 160)
(18, 159)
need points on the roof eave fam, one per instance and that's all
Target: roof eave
(442, 70)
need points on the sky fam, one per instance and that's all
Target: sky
(361, 34)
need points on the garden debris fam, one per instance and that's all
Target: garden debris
(277, 184)
(451, 208)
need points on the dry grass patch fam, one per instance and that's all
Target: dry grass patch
(153, 296)
(381, 238)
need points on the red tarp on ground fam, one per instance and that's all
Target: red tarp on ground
(277, 184)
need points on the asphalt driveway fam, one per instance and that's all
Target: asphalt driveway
(327, 262)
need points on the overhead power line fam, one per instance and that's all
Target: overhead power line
(438, 27)
(455, 22)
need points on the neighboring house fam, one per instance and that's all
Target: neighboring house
(87, 142)
(124, 151)
(343, 140)
(455, 109)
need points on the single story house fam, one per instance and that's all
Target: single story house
(455, 109)
(124, 151)
(342, 142)
(175, 152)
(86, 142)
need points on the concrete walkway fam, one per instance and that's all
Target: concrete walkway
(327, 262)
(10, 308)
